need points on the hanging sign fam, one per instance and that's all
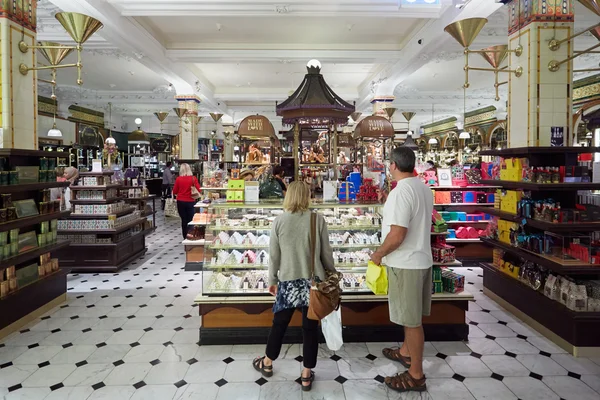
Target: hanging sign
(345, 140)
(159, 145)
(557, 136)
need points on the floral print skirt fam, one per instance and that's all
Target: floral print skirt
(292, 294)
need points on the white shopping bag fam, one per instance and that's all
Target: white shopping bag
(171, 208)
(331, 326)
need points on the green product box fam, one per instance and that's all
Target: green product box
(50, 237)
(27, 275)
(437, 274)
(14, 248)
(41, 239)
(438, 287)
(53, 224)
(6, 251)
(3, 238)
(14, 235)
(44, 227)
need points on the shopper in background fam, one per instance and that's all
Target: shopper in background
(406, 251)
(279, 174)
(167, 183)
(290, 277)
(247, 174)
(183, 191)
(71, 175)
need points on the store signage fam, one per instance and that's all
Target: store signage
(557, 136)
(344, 140)
(375, 125)
(159, 145)
(255, 124)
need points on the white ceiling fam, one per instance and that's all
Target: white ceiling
(320, 32)
(240, 57)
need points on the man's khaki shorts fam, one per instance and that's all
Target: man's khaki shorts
(409, 295)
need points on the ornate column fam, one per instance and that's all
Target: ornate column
(188, 127)
(380, 104)
(18, 92)
(540, 100)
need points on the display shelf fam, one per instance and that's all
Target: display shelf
(30, 255)
(209, 188)
(28, 299)
(30, 153)
(91, 173)
(236, 246)
(150, 197)
(200, 242)
(454, 263)
(464, 204)
(473, 240)
(440, 233)
(525, 151)
(28, 221)
(120, 229)
(502, 214)
(459, 188)
(102, 216)
(103, 187)
(571, 268)
(566, 186)
(97, 201)
(192, 223)
(578, 330)
(27, 187)
(484, 221)
(548, 226)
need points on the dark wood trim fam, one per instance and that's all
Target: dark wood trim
(97, 201)
(569, 186)
(577, 328)
(99, 231)
(28, 187)
(525, 151)
(25, 222)
(30, 255)
(570, 269)
(31, 297)
(545, 225)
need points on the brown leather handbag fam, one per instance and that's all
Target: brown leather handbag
(324, 295)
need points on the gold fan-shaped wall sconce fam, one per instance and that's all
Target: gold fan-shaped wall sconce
(80, 27)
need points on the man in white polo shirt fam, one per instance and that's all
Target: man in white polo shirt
(406, 251)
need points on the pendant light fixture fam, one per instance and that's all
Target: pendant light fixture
(464, 134)
(110, 139)
(54, 131)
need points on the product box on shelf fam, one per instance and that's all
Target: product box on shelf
(452, 282)
(570, 247)
(443, 253)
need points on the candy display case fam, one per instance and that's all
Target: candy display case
(236, 254)
(235, 304)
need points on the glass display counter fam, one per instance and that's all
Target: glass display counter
(235, 304)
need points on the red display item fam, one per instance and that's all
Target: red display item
(443, 253)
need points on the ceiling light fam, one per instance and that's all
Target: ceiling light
(314, 64)
(588, 135)
(433, 141)
(464, 135)
(170, 87)
(138, 121)
(54, 132)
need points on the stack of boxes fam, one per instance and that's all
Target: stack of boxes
(48, 233)
(367, 191)
(509, 201)
(512, 169)
(452, 282)
(437, 286)
(11, 279)
(8, 281)
(235, 191)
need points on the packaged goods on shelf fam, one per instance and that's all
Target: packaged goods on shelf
(95, 194)
(443, 253)
(452, 282)
(100, 208)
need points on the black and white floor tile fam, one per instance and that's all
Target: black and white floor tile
(132, 335)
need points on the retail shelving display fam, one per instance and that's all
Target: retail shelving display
(546, 261)
(30, 279)
(230, 245)
(105, 231)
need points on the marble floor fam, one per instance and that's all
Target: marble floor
(132, 335)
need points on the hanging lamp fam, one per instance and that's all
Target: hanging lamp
(54, 131)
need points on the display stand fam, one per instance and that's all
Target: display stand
(574, 331)
(467, 249)
(42, 288)
(105, 232)
(140, 203)
(236, 307)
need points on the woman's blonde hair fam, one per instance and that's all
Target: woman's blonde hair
(297, 197)
(185, 170)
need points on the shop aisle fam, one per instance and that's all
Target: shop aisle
(133, 334)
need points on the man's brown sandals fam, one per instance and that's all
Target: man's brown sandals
(404, 382)
(393, 354)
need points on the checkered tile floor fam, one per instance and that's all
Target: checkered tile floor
(132, 335)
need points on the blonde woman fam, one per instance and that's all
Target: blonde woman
(290, 276)
(71, 174)
(183, 191)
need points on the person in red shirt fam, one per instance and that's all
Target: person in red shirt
(183, 191)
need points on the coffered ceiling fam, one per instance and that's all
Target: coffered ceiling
(240, 57)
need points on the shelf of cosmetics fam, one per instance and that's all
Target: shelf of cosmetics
(520, 170)
(13, 243)
(581, 296)
(561, 248)
(549, 210)
(12, 279)
(15, 175)
(12, 210)
(444, 280)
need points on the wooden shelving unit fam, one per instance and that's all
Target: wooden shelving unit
(103, 257)
(576, 332)
(32, 299)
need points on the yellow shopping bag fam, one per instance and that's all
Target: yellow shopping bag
(377, 279)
